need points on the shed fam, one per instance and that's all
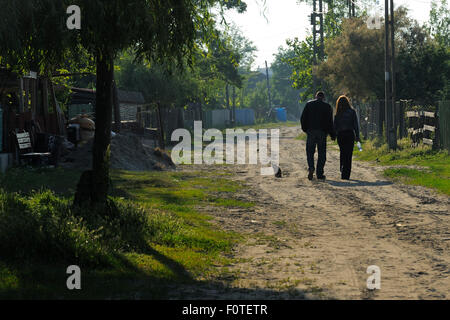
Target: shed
(130, 103)
(83, 101)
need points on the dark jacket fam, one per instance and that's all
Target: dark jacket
(318, 115)
(347, 121)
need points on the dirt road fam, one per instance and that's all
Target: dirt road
(315, 239)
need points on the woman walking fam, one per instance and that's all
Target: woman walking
(347, 130)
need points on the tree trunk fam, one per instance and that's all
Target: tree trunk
(160, 127)
(227, 97)
(233, 117)
(117, 120)
(98, 177)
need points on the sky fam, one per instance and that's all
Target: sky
(288, 19)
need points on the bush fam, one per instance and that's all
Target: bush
(42, 227)
(124, 226)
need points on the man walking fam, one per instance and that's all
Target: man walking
(317, 122)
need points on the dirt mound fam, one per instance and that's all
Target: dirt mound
(127, 153)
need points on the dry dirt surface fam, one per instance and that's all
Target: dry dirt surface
(315, 239)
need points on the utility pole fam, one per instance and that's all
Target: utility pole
(394, 120)
(227, 97)
(387, 91)
(314, 24)
(318, 50)
(321, 48)
(389, 87)
(233, 116)
(351, 8)
(268, 90)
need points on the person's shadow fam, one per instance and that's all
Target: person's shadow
(358, 183)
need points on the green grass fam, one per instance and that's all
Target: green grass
(302, 136)
(270, 125)
(153, 237)
(62, 181)
(417, 166)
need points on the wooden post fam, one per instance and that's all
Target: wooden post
(381, 117)
(268, 90)
(233, 115)
(33, 83)
(27, 94)
(45, 102)
(200, 110)
(21, 93)
(161, 128)
(116, 104)
(437, 132)
(60, 125)
(227, 95)
(401, 120)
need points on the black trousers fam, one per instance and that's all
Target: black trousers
(316, 138)
(346, 142)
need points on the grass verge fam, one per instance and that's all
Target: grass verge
(270, 125)
(151, 238)
(416, 166)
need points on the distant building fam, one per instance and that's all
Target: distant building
(131, 103)
(83, 102)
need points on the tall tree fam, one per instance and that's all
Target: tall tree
(354, 60)
(157, 30)
(302, 65)
(34, 36)
(439, 24)
(355, 57)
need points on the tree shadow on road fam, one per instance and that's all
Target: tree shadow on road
(358, 183)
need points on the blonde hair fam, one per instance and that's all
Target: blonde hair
(342, 104)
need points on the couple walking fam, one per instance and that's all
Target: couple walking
(317, 122)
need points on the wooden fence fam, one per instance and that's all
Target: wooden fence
(423, 126)
(444, 124)
(428, 127)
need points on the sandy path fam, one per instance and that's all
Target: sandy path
(315, 239)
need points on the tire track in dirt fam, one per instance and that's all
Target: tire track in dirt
(315, 239)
